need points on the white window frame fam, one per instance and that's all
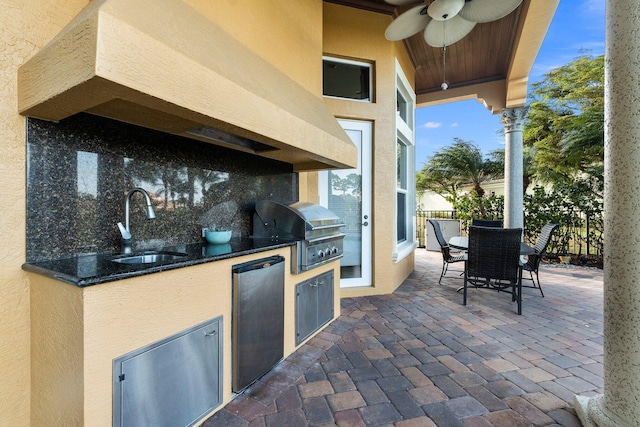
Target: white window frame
(359, 64)
(405, 134)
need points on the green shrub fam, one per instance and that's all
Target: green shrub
(470, 206)
(568, 206)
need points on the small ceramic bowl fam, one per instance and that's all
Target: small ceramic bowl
(217, 237)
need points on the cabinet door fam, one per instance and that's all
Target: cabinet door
(325, 298)
(306, 309)
(174, 382)
(314, 304)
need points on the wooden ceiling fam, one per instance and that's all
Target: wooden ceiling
(484, 55)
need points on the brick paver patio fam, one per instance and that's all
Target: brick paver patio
(418, 357)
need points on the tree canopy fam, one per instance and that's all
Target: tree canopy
(565, 130)
(457, 165)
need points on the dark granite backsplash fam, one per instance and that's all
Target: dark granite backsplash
(79, 170)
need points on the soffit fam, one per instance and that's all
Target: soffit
(491, 63)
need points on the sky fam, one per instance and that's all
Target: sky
(577, 28)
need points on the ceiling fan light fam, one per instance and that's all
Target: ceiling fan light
(446, 33)
(441, 10)
(488, 10)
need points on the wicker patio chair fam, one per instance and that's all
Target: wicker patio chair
(487, 223)
(494, 262)
(448, 257)
(533, 261)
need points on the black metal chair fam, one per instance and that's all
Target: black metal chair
(493, 261)
(487, 223)
(533, 261)
(447, 256)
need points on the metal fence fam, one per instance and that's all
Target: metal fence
(581, 241)
(421, 222)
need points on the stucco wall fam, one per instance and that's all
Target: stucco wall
(286, 33)
(26, 26)
(291, 41)
(430, 201)
(359, 35)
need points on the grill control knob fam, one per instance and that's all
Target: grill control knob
(334, 251)
(321, 254)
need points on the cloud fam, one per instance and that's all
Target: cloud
(594, 7)
(454, 125)
(432, 125)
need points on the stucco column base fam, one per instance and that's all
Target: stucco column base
(591, 412)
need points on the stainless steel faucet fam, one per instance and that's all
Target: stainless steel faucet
(125, 230)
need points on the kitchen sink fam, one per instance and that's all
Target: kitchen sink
(150, 257)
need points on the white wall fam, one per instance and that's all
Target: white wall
(430, 201)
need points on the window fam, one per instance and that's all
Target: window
(346, 79)
(405, 168)
(402, 107)
(401, 191)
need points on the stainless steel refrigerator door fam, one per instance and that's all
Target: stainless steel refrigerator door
(257, 319)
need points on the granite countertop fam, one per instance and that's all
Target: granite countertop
(93, 269)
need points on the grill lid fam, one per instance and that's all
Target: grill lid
(299, 220)
(316, 216)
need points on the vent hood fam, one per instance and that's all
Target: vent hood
(162, 65)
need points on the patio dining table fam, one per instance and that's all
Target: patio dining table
(462, 243)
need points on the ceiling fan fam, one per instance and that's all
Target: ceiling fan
(446, 21)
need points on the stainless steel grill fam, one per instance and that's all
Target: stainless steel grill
(315, 229)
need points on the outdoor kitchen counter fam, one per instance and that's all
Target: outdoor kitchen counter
(93, 269)
(79, 330)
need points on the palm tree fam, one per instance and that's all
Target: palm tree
(457, 165)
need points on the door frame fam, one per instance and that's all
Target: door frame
(365, 130)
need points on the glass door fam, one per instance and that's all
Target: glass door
(347, 193)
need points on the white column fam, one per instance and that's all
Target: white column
(620, 403)
(513, 120)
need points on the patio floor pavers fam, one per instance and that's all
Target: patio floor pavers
(418, 357)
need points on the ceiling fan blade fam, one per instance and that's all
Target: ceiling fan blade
(407, 24)
(401, 2)
(488, 10)
(446, 33)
